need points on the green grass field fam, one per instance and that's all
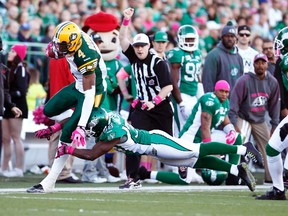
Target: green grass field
(152, 199)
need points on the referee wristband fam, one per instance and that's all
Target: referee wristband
(157, 100)
(126, 22)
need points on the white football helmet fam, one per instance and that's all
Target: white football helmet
(188, 38)
(281, 43)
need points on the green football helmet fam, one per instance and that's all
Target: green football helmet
(188, 38)
(281, 43)
(97, 122)
(213, 177)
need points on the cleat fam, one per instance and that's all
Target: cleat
(246, 176)
(253, 154)
(131, 184)
(273, 194)
(182, 172)
(36, 189)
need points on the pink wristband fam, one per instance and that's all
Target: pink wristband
(70, 150)
(56, 127)
(126, 22)
(206, 140)
(157, 99)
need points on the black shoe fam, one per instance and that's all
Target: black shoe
(254, 154)
(143, 173)
(274, 194)
(182, 172)
(36, 189)
(232, 180)
(69, 180)
(131, 184)
(246, 176)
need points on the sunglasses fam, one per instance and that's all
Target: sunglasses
(244, 34)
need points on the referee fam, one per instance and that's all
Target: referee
(152, 109)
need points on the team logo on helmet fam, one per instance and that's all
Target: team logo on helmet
(188, 38)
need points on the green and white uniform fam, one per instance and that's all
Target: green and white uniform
(86, 60)
(189, 72)
(209, 103)
(169, 150)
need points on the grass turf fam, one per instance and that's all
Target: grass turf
(196, 202)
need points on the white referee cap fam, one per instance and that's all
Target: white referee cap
(140, 40)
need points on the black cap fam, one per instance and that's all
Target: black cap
(244, 27)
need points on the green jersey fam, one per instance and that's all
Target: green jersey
(209, 103)
(189, 70)
(111, 100)
(87, 60)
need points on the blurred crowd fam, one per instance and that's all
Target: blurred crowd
(32, 22)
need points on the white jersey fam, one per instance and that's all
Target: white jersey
(248, 58)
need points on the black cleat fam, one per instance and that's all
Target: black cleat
(182, 172)
(131, 184)
(273, 194)
(36, 189)
(253, 154)
(246, 176)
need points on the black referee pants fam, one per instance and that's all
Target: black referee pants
(160, 117)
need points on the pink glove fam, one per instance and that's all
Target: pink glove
(52, 53)
(64, 149)
(231, 137)
(78, 137)
(47, 132)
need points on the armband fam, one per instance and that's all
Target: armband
(126, 22)
(157, 100)
(206, 140)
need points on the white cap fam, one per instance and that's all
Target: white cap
(140, 40)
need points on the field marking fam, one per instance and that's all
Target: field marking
(171, 188)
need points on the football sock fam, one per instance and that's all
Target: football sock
(212, 162)
(275, 168)
(214, 148)
(235, 158)
(168, 177)
(48, 182)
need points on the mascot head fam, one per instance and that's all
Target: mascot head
(107, 27)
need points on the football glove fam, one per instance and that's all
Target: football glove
(78, 137)
(231, 137)
(64, 149)
(47, 132)
(40, 117)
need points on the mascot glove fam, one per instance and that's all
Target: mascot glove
(231, 137)
(183, 110)
(64, 149)
(78, 137)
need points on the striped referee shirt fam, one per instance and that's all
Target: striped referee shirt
(151, 74)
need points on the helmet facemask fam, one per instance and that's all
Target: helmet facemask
(188, 38)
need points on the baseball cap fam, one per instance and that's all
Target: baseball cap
(25, 27)
(261, 56)
(244, 27)
(160, 36)
(140, 40)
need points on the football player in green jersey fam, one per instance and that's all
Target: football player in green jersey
(186, 61)
(211, 111)
(88, 90)
(113, 131)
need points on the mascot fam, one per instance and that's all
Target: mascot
(104, 29)
(106, 26)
